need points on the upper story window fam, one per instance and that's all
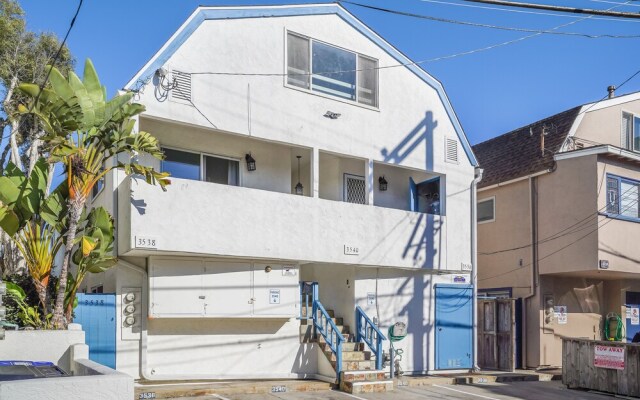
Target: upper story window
(486, 210)
(330, 70)
(197, 166)
(623, 196)
(630, 134)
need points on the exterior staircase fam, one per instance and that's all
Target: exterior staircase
(358, 372)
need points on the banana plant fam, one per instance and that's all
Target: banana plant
(33, 221)
(93, 255)
(84, 130)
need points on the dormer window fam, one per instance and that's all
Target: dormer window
(630, 135)
(332, 71)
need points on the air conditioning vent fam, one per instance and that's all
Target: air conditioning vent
(182, 91)
(451, 150)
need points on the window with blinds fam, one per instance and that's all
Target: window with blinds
(623, 198)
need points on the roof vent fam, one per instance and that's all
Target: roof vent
(612, 91)
(451, 150)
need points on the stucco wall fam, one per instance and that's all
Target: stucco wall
(605, 125)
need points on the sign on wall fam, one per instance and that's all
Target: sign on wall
(274, 296)
(635, 316)
(371, 298)
(609, 357)
(560, 314)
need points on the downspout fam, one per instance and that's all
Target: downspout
(474, 263)
(533, 212)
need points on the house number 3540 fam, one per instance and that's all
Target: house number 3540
(146, 242)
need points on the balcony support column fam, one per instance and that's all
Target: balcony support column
(369, 181)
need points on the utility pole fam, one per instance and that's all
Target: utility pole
(588, 11)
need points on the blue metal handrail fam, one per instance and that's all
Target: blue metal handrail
(324, 324)
(367, 332)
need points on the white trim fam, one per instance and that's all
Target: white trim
(574, 128)
(493, 219)
(522, 178)
(616, 101)
(604, 149)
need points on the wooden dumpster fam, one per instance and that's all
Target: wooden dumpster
(610, 367)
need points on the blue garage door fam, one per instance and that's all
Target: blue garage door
(454, 326)
(97, 315)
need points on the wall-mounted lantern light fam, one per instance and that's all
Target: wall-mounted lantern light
(251, 162)
(382, 184)
(299, 188)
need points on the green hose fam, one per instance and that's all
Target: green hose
(619, 333)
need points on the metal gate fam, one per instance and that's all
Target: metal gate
(97, 315)
(497, 334)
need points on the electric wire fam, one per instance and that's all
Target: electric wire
(562, 248)
(46, 79)
(481, 25)
(547, 14)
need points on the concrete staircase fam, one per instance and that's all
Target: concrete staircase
(358, 365)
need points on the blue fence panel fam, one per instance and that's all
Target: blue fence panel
(97, 315)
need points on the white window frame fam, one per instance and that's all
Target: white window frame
(202, 166)
(631, 143)
(491, 198)
(328, 96)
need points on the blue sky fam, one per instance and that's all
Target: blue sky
(492, 91)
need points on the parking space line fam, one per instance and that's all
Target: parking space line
(217, 396)
(469, 393)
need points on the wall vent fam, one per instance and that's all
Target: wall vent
(182, 91)
(451, 150)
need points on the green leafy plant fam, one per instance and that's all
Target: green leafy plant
(83, 131)
(29, 316)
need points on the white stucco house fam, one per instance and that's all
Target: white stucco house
(303, 147)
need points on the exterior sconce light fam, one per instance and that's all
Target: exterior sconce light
(251, 162)
(299, 188)
(332, 115)
(383, 184)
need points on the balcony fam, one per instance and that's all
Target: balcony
(202, 218)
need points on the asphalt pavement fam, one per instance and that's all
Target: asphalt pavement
(490, 391)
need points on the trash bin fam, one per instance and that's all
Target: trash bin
(16, 370)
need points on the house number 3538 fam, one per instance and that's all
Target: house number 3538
(146, 242)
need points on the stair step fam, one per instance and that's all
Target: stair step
(367, 387)
(346, 346)
(356, 365)
(349, 355)
(348, 337)
(361, 376)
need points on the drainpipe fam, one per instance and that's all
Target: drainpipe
(474, 263)
(533, 211)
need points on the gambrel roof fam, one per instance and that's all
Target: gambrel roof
(202, 14)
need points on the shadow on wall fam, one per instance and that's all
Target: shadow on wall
(415, 313)
(423, 132)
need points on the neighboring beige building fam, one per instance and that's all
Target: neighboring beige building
(559, 224)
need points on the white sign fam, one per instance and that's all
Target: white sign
(609, 357)
(371, 299)
(274, 296)
(288, 270)
(146, 242)
(351, 250)
(465, 267)
(560, 314)
(635, 317)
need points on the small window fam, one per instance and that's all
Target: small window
(354, 189)
(181, 164)
(330, 70)
(630, 132)
(97, 188)
(612, 196)
(97, 289)
(486, 210)
(623, 196)
(221, 170)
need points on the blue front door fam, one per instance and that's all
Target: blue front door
(97, 315)
(454, 326)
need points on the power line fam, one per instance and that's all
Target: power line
(528, 12)
(52, 64)
(605, 97)
(481, 25)
(589, 11)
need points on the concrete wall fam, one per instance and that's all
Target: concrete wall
(37, 345)
(263, 224)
